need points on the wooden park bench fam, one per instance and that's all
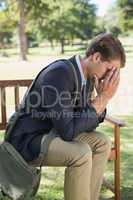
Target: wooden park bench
(117, 124)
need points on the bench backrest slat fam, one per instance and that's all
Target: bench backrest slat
(16, 91)
(16, 84)
(3, 105)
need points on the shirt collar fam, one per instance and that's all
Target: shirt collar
(81, 70)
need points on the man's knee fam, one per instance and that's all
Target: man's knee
(81, 154)
(105, 141)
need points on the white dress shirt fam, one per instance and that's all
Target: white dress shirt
(83, 80)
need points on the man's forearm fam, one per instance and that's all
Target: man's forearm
(99, 103)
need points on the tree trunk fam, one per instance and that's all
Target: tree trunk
(22, 35)
(2, 45)
(62, 46)
(52, 44)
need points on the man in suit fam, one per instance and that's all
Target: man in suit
(51, 105)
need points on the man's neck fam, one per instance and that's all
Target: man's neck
(85, 67)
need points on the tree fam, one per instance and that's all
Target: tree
(126, 15)
(109, 22)
(53, 20)
(21, 28)
(25, 10)
(6, 28)
(29, 10)
(83, 19)
(74, 19)
(58, 23)
(18, 7)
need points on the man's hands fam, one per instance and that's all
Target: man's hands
(106, 89)
(109, 85)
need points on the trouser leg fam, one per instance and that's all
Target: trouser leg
(77, 157)
(101, 146)
(85, 159)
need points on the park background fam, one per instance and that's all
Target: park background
(34, 33)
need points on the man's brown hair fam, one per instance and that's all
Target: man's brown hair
(109, 46)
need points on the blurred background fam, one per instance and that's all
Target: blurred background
(34, 33)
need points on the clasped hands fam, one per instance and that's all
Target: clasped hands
(106, 88)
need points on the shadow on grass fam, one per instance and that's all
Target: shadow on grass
(126, 193)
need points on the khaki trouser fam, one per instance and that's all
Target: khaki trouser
(85, 159)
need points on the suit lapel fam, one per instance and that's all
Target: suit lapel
(73, 60)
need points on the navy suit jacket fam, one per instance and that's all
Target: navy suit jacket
(50, 105)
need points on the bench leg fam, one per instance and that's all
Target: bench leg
(117, 163)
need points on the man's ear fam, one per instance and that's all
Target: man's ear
(97, 58)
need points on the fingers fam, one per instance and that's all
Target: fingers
(109, 76)
(115, 80)
(116, 76)
(113, 76)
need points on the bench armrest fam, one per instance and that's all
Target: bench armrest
(115, 121)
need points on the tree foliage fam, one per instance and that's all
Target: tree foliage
(69, 20)
(54, 20)
(126, 15)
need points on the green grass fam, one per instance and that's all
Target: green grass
(52, 181)
(46, 50)
(126, 157)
